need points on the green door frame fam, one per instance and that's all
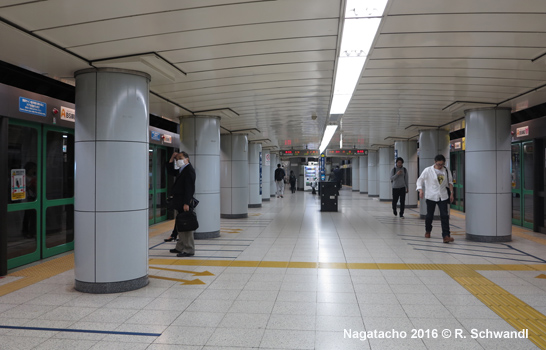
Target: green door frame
(34, 256)
(48, 203)
(153, 190)
(521, 190)
(458, 185)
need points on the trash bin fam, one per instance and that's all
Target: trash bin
(328, 196)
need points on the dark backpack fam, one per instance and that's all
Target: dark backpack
(279, 174)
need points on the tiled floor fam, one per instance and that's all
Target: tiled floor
(291, 277)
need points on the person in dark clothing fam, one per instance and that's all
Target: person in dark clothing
(183, 190)
(292, 181)
(279, 180)
(399, 180)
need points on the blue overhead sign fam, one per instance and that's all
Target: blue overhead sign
(155, 135)
(26, 105)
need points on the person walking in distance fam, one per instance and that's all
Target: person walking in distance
(279, 180)
(183, 190)
(438, 182)
(292, 181)
(399, 180)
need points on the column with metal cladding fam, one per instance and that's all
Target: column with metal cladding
(275, 158)
(355, 174)
(266, 175)
(200, 138)
(233, 176)
(408, 151)
(488, 183)
(363, 174)
(373, 188)
(111, 180)
(254, 195)
(431, 143)
(386, 163)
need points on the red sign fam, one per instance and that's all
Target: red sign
(346, 152)
(300, 153)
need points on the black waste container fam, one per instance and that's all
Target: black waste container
(328, 196)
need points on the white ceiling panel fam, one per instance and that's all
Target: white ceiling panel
(188, 20)
(207, 37)
(481, 64)
(466, 22)
(531, 76)
(249, 80)
(258, 72)
(461, 39)
(251, 48)
(40, 14)
(453, 81)
(26, 51)
(278, 86)
(399, 7)
(259, 60)
(270, 64)
(498, 53)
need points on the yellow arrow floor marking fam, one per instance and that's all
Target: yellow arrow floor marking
(541, 276)
(195, 273)
(197, 281)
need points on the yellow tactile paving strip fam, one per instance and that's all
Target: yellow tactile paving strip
(514, 311)
(158, 229)
(37, 273)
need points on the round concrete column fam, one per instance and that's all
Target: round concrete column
(200, 138)
(373, 188)
(386, 163)
(355, 174)
(363, 174)
(266, 175)
(275, 159)
(111, 183)
(234, 176)
(408, 151)
(488, 189)
(432, 143)
(254, 194)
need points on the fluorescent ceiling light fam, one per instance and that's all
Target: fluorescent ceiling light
(340, 140)
(328, 134)
(362, 18)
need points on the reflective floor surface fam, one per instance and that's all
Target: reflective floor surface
(292, 277)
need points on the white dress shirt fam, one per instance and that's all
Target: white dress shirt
(434, 190)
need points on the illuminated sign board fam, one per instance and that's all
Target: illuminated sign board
(346, 152)
(300, 153)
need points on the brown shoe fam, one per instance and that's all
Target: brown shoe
(448, 239)
(427, 235)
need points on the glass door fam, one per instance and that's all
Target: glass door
(157, 184)
(24, 201)
(457, 169)
(58, 191)
(522, 165)
(41, 199)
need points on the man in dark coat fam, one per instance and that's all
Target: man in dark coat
(183, 190)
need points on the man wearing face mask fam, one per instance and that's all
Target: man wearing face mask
(182, 191)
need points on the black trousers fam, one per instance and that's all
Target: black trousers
(444, 217)
(399, 193)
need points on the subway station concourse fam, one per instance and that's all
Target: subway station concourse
(95, 97)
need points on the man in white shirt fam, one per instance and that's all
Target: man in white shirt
(437, 179)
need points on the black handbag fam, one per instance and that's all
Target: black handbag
(186, 221)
